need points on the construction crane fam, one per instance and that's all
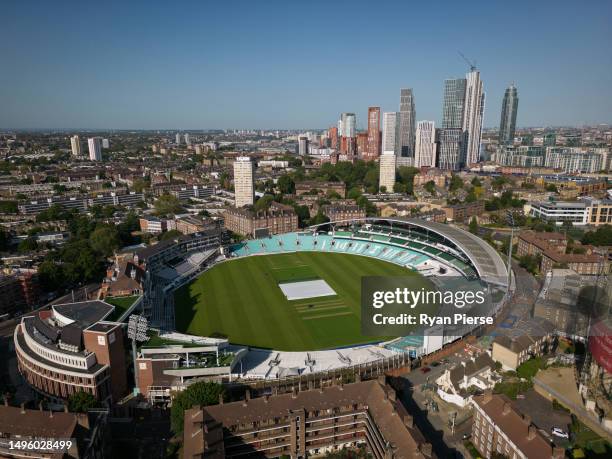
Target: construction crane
(472, 64)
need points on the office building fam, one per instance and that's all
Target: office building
(390, 133)
(303, 145)
(310, 423)
(558, 212)
(387, 171)
(473, 112)
(95, 148)
(71, 348)
(75, 145)
(425, 145)
(453, 108)
(373, 140)
(450, 149)
(244, 181)
(507, 124)
(500, 428)
(407, 123)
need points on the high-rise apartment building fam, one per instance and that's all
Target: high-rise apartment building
(75, 145)
(105, 143)
(302, 145)
(507, 124)
(387, 171)
(373, 142)
(449, 149)
(95, 148)
(244, 181)
(454, 98)
(425, 145)
(347, 131)
(187, 140)
(390, 132)
(177, 138)
(407, 123)
(472, 116)
(332, 134)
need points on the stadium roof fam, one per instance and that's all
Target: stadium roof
(487, 262)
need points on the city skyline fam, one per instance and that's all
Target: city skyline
(136, 78)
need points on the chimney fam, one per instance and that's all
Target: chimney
(506, 409)
(558, 453)
(531, 433)
(408, 421)
(294, 393)
(247, 395)
(426, 449)
(23, 408)
(40, 406)
(65, 408)
(6, 400)
(527, 419)
(266, 398)
(50, 413)
(220, 399)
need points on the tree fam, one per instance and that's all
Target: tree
(383, 189)
(552, 187)
(28, 245)
(104, 240)
(473, 226)
(168, 204)
(319, 218)
(5, 240)
(8, 207)
(476, 182)
(170, 235)
(263, 203)
(286, 185)
(303, 214)
(202, 393)
(455, 183)
(430, 187)
(51, 275)
(81, 402)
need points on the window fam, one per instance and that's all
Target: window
(101, 340)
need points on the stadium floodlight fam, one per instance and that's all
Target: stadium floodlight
(137, 332)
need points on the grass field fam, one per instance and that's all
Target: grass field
(241, 300)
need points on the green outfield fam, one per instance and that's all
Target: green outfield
(241, 299)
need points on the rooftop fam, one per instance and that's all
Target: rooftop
(84, 313)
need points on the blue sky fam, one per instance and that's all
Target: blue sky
(289, 64)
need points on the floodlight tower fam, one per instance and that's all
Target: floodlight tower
(137, 332)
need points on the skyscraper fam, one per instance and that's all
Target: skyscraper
(425, 145)
(95, 148)
(187, 140)
(373, 145)
(386, 177)
(390, 133)
(407, 122)
(472, 116)
(244, 181)
(75, 145)
(454, 98)
(507, 125)
(449, 153)
(177, 138)
(348, 142)
(302, 145)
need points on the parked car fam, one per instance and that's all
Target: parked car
(559, 433)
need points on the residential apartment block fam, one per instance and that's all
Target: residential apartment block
(500, 428)
(278, 219)
(308, 423)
